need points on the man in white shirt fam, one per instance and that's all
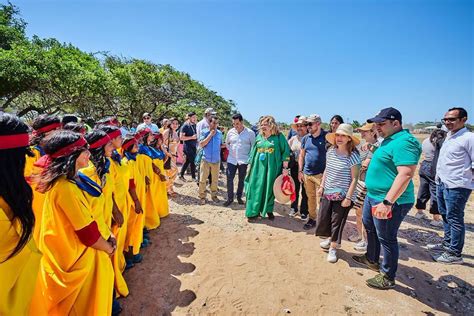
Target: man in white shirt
(454, 184)
(148, 123)
(239, 142)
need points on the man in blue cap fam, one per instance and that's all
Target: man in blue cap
(390, 195)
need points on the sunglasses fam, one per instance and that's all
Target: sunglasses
(147, 117)
(449, 119)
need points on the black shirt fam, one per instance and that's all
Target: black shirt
(189, 129)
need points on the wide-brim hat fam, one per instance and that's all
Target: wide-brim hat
(282, 196)
(343, 129)
(366, 127)
(301, 120)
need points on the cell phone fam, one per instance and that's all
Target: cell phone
(374, 209)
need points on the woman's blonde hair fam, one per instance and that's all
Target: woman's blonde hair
(271, 122)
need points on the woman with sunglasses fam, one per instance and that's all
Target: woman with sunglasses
(76, 272)
(171, 142)
(19, 257)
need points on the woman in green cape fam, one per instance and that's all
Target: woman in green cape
(268, 156)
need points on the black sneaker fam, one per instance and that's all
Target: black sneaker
(227, 203)
(362, 260)
(381, 282)
(311, 223)
(304, 216)
(271, 216)
(240, 201)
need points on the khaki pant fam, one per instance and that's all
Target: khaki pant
(205, 168)
(312, 184)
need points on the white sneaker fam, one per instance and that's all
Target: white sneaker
(292, 213)
(437, 247)
(354, 237)
(420, 215)
(436, 223)
(325, 244)
(332, 255)
(361, 246)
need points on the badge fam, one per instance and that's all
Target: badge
(262, 156)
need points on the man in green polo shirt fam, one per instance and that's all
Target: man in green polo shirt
(390, 195)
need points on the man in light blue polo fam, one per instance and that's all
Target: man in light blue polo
(454, 183)
(210, 141)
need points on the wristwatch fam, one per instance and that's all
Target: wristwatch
(387, 203)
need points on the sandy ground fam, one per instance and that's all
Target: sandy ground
(210, 260)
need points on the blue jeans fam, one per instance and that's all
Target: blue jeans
(451, 204)
(231, 171)
(383, 232)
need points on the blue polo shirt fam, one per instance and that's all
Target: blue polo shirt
(212, 151)
(315, 153)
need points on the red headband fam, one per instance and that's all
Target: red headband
(101, 142)
(47, 128)
(129, 143)
(142, 133)
(14, 141)
(69, 149)
(115, 134)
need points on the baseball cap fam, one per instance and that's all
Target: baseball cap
(386, 114)
(210, 110)
(313, 118)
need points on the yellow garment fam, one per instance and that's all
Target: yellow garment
(101, 207)
(120, 173)
(173, 172)
(19, 273)
(135, 221)
(75, 279)
(152, 219)
(32, 171)
(160, 189)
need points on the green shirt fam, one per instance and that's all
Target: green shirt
(399, 149)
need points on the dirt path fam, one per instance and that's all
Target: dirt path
(209, 260)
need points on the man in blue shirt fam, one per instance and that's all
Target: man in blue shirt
(210, 141)
(311, 164)
(454, 182)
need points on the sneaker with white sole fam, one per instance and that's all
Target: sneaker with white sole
(361, 246)
(448, 258)
(326, 244)
(437, 247)
(420, 215)
(292, 213)
(355, 237)
(436, 223)
(304, 216)
(332, 255)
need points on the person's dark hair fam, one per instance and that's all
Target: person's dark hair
(337, 118)
(74, 127)
(13, 187)
(108, 128)
(437, 135)
(62, 165)
(69, 118)
(127, 138)
(462, 112)
(213, 118)
(40, 122)
(98, 154)
(237, 116)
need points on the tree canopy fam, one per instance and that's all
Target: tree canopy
(46, 76)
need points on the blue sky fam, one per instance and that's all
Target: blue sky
(289, 57)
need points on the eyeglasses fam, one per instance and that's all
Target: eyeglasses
(147, 117)
(449, 119)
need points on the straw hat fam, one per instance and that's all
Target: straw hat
(343, 129)
(282, 192)
(366, 127)
(301, 120)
